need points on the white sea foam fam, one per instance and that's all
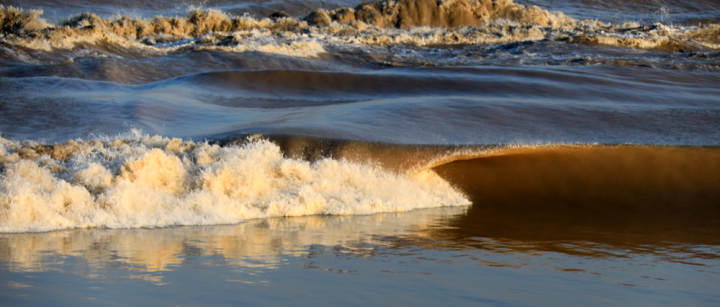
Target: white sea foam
(152, 181)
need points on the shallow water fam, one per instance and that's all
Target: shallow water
(572, 147)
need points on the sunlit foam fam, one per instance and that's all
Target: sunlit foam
(151, 181)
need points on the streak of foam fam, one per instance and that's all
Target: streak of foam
(151, 181)
(263, 40)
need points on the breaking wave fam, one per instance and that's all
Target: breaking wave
(614, 181)
(378, 23)
(151, 181)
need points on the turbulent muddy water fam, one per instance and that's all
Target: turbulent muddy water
(262, 151)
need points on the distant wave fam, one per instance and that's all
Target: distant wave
(379, 23)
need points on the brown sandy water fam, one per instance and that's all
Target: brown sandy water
(634, 180)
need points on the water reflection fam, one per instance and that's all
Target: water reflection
(584, 234)
(265, 244)
(260, 244)
(483, 253)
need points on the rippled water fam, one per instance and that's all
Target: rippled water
(571, 146)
